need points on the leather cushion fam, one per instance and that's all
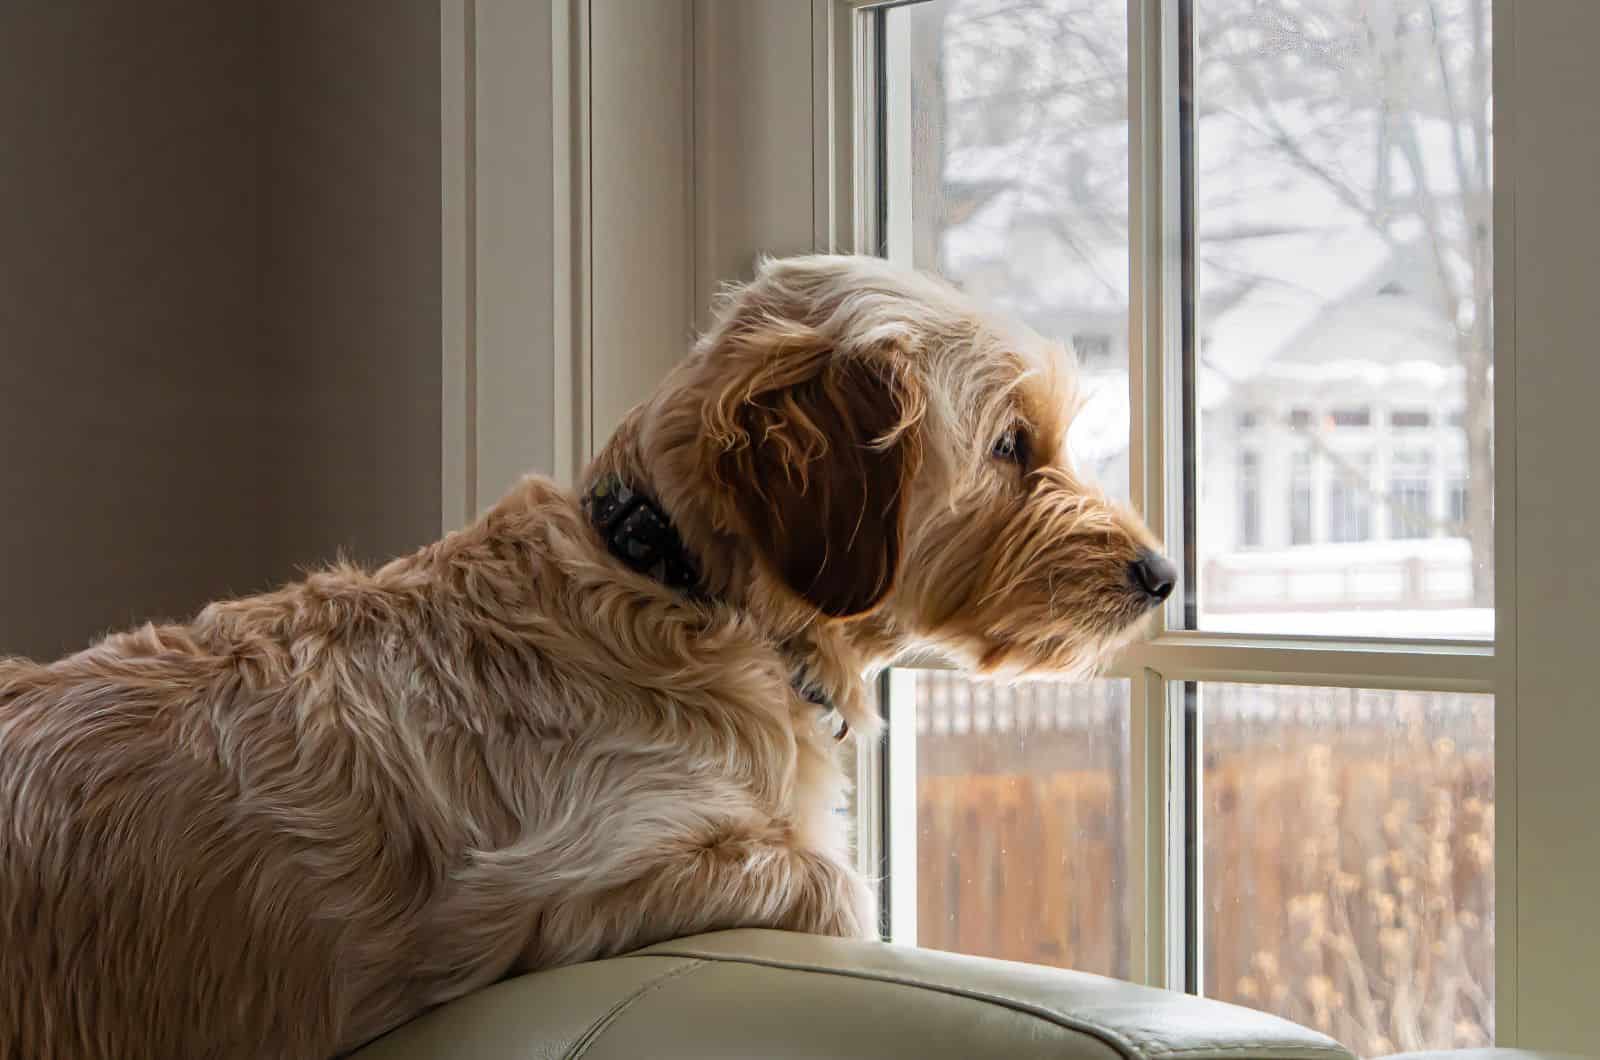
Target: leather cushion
(798, 997)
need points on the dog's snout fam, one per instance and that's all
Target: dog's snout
(1153, 574)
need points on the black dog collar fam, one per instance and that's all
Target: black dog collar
(638, 531)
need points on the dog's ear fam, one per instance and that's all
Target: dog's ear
(816, 450)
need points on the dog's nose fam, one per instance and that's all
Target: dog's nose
(1154, 574)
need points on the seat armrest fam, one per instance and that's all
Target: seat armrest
(778, 995)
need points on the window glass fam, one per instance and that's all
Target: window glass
(1342, 208)
(1016, 184)
(1349, 861)
(1343, 471)
(1022, 821)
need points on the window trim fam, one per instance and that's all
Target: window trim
(1532, 721)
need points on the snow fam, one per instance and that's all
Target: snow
(1340, 556)
(1467, 623)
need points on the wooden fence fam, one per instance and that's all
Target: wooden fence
(1348, 851)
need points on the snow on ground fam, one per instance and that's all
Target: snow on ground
(1466, 623)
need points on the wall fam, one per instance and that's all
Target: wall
(131, 435)
(641, 90)
(350, 275)
(219, 321)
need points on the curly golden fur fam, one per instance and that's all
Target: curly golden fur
(302, 818)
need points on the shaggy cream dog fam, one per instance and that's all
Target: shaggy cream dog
(584, 723)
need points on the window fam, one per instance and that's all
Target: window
(1093, 349)
(1457, 494)
(1410, 499)
(1350, 499)
(1301, 486)
(1410, 419)
(1249, 499)
(1294, 776)
(1365, 825)
(1021, 817)
(1350, 115)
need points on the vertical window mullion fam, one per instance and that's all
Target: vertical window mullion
(1157, 429)
(1189, 485)
(1188, 479)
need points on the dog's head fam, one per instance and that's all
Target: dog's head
(888, 457)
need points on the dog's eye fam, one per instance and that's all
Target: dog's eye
(1012, 446)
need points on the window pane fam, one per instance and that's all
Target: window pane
(1023, 821)
(1349, 861)
(1343, 289)
(1007, 126)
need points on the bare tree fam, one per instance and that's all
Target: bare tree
(1306, 79)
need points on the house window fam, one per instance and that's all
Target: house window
(1249, 499)
(1301, 486)
(1410, 419)
(1410, 499)
(1350, 417)
(1456, 510)
(1093, 348)
(1350, 500)
(1288, 204)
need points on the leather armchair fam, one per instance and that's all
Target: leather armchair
(783, 996)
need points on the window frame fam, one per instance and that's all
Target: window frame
(1165, 742)
(789, 187)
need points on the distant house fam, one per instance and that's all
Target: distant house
(1332, 460)
(1333, 464)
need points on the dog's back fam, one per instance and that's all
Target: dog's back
(109, 790)
(236, 836)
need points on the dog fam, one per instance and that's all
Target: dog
(592, 720)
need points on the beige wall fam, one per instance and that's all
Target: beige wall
(219, 321)
(350, 239)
